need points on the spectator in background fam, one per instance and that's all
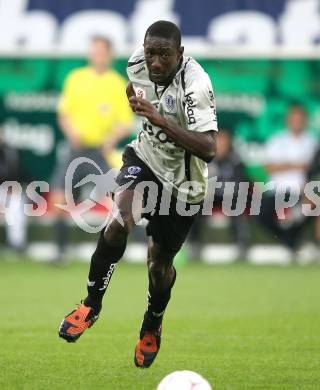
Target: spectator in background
(94, 116)
(226, 167)
(288, 156)
(12, 203)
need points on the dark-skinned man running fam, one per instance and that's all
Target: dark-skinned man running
(174, 97)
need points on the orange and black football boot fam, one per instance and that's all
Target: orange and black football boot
(148, 345)
(75, 323)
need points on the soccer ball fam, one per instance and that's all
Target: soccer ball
(184, 380)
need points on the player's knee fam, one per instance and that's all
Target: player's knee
(161, 254)
(116, 233)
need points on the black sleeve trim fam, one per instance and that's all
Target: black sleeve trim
(183, 81)
(135, 63)
(187, 165)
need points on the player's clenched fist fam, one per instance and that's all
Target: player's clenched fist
(144, 108)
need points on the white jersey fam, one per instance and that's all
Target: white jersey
(287, 148)
(189, 102)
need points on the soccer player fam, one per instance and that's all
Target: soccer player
(174, 97)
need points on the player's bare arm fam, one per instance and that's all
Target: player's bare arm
(202, 145)
(129, 90)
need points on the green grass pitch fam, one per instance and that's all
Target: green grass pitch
(241, 327)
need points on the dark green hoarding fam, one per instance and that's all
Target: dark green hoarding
(252, 99)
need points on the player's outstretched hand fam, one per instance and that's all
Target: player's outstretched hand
(144, 108)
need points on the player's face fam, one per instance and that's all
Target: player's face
(162, 59)
(100, 54)
(297, 120)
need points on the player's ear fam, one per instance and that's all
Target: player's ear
(180, 52)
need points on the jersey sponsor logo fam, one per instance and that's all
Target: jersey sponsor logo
(160, 135)
(134, 170)
(213, 104)
(168, 150)
(140, 93)
(170, 102)
(190, 108)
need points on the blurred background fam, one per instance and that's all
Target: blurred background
(264, 61)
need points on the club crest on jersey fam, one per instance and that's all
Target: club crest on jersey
(170, 102)
(140, 93)
(133, 170)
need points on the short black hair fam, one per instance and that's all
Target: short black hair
(164, 29)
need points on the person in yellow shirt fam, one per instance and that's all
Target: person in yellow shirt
(94, 116)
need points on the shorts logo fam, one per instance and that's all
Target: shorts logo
(134, 170)
(170, 102)
(140, 93)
